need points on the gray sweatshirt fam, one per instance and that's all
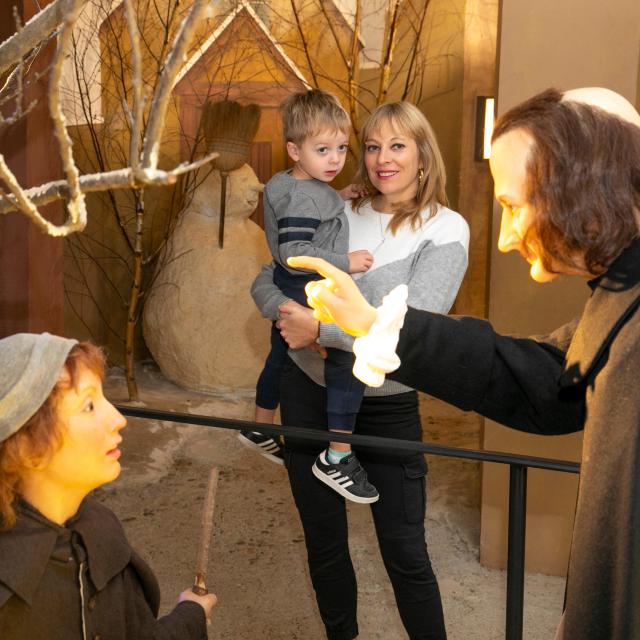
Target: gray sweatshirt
(431, 261)
(305, 218)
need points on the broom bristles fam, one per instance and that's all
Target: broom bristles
(229, 129)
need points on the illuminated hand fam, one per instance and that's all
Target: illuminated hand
(336, 298)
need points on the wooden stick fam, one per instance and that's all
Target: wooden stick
(223, 206)
(199, 586)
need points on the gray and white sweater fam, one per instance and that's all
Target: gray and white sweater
(305, 218)
(430, 260)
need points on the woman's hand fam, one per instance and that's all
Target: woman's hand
(336, 298)
(297, 325)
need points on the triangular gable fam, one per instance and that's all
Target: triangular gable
(210, 41)
(343, 7)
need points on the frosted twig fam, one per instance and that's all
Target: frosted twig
(162, 94)
(76, 206)
(35, 31)
(23, 203)
(136, 114)
(117, 179)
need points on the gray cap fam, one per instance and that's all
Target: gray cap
(30, 365)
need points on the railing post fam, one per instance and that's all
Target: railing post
(515, 559)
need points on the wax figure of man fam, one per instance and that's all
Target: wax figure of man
(67, 571)
(566, 169)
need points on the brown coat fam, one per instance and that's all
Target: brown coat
(82, 582)
(584, 376)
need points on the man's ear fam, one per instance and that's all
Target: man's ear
(293, 151)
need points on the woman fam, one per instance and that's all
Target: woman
(566, 169)
(66, 569)
(415, 240)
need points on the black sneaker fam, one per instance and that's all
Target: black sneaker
(268, 446)
(347, 477)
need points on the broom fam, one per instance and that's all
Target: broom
(229, 129)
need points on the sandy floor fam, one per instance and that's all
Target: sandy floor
(258, 563)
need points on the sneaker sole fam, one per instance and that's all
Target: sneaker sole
(339, 489)
(258, 449)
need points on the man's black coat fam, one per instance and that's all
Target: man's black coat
(583, 376)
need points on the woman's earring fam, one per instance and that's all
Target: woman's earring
(420, 175)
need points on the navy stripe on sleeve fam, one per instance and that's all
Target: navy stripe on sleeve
(295, 236)
(312, 223)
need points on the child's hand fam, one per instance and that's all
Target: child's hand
(354, 191)
(314, 346)
(207, 602)
(360, 261)
(336, 298)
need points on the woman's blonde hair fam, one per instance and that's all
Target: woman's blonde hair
(41, 436)
(409, 120)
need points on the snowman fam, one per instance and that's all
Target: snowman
(199, 321)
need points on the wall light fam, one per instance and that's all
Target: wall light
(485, 106)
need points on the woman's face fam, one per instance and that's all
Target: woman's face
(509, 157)
(88, 455)
(392, 162)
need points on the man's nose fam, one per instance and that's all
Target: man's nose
(508, 239)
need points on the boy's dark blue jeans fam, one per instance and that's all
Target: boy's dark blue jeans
(344, 391)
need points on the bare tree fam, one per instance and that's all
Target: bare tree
(119, 251)
(362, 78)
(141, 169)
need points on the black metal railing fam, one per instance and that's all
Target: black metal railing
(518, 466)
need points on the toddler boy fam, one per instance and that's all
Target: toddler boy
(305, 216)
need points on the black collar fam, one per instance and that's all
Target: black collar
(25, 549)
(615, 297)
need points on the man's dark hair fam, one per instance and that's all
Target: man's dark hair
(583, 178)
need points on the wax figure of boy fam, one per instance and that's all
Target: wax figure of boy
(305, 216)
(567, 174)
(67, 571)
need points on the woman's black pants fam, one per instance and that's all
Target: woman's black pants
(398, 515)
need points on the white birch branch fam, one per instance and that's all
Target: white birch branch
(385, 72)
(76, 207)
(117, 179)
(35, 31)
(162, 94)
(24, 204)
(138, 106)
(353, 68)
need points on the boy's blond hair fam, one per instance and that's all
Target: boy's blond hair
(308, 113)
